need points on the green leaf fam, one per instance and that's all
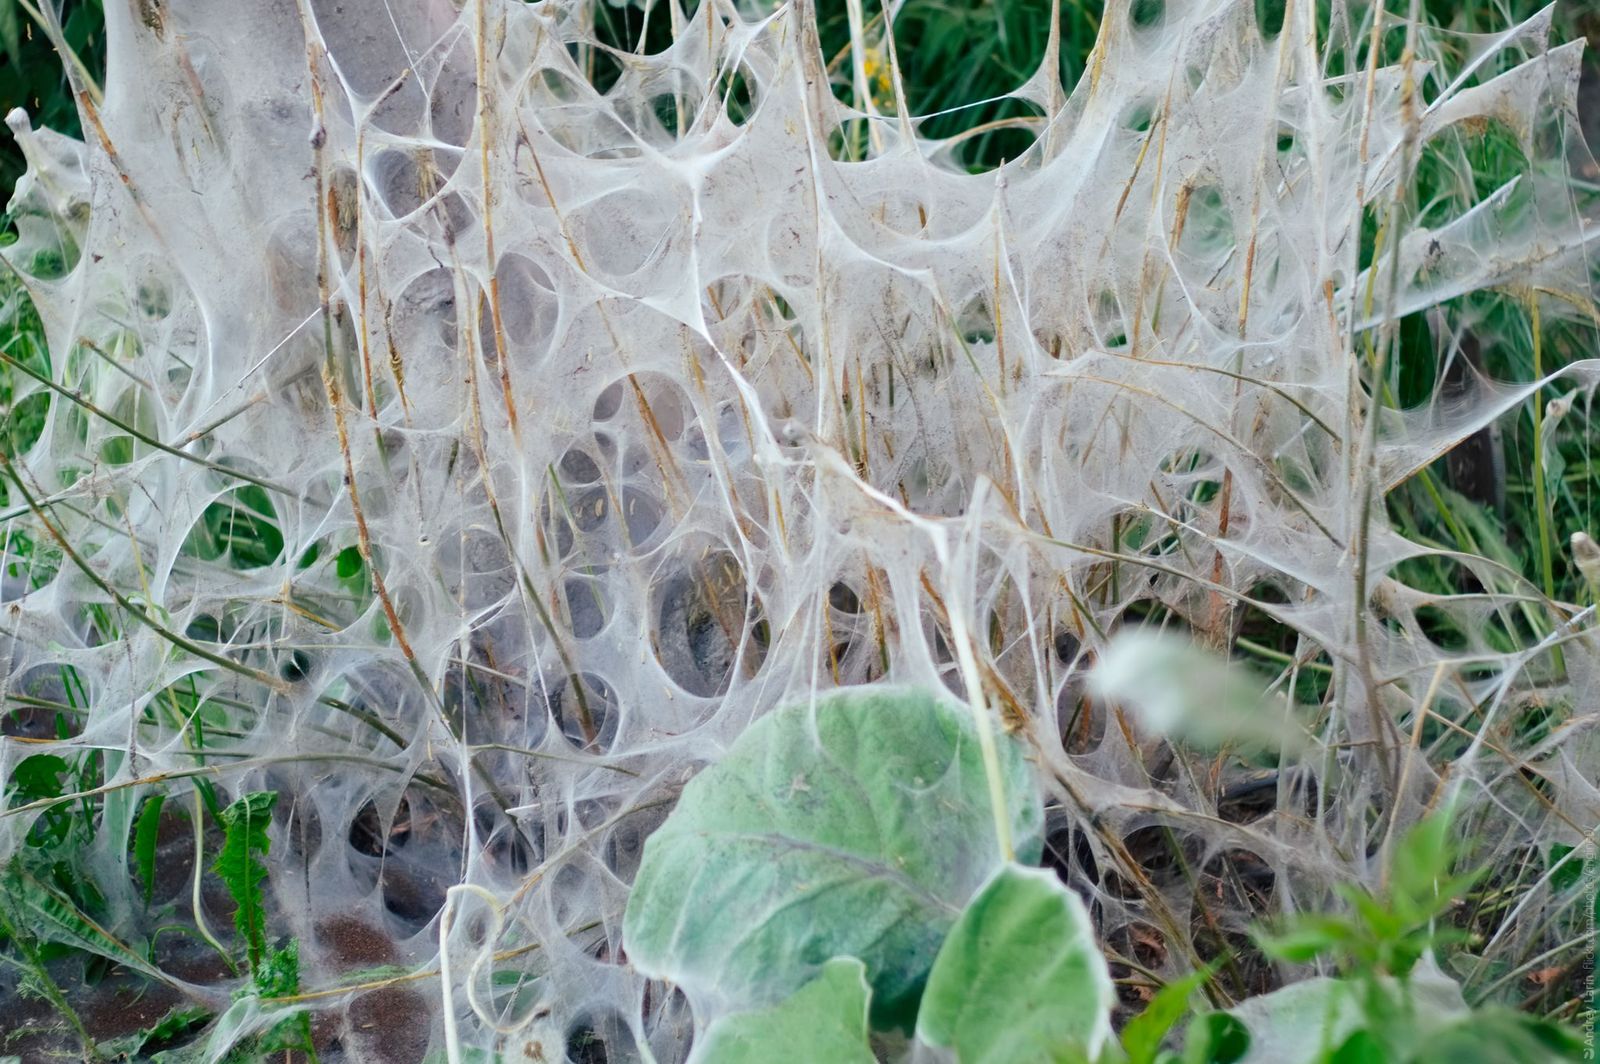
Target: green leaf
(51, 916)
(347, 563)
(1422, 858)
(139, 1045)
(857, 825)
(1568, 875)
(1308, 1021)
(1142, 1037)
(144, 843)
(1307, 938)
(1019, 978)
(1302, 1022)
(1496, 1035)
(824, 1020)
(279, 974)
(38, 777)
(1216, 1038)
(11, 33)
(1362, 1047)
(245, 823)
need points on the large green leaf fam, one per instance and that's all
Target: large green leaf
(857, 825)
(825, 1020)
(1020, 978)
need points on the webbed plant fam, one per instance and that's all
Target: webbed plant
(470, 419)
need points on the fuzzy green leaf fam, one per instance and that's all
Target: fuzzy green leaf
(245, 823)
(859, 825)
(1019, 979)
(825, 1020)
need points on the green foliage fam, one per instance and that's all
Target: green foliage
(239, 864)
(1142, 1037)
(1496, 1035)
(175, 1026)
(348, 563)
(144, 842)
(1385, 933)
(1019, 977)
(789, 885)
(814, 838)
(1387, 1007)
(804, 870)
(39, 777)
(243, 526)
(953, 54)
(1215, 1038)
(32, 76)
(49, 915)
(826, 1019)
(1422, 1020)
(279, 976)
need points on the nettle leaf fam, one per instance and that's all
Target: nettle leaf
(1019, 978)
(245, 823)
(824, 1020)
(857, 825)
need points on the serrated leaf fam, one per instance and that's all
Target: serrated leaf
(1019, 979)
(279, 974)
(1421, 857)
(245, 826)
(144, 843)
(859, 826)
(825, 1020)
(51, 916)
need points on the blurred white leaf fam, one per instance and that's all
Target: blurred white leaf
(1178, 689)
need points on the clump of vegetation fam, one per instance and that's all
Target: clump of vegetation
(730, 531)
